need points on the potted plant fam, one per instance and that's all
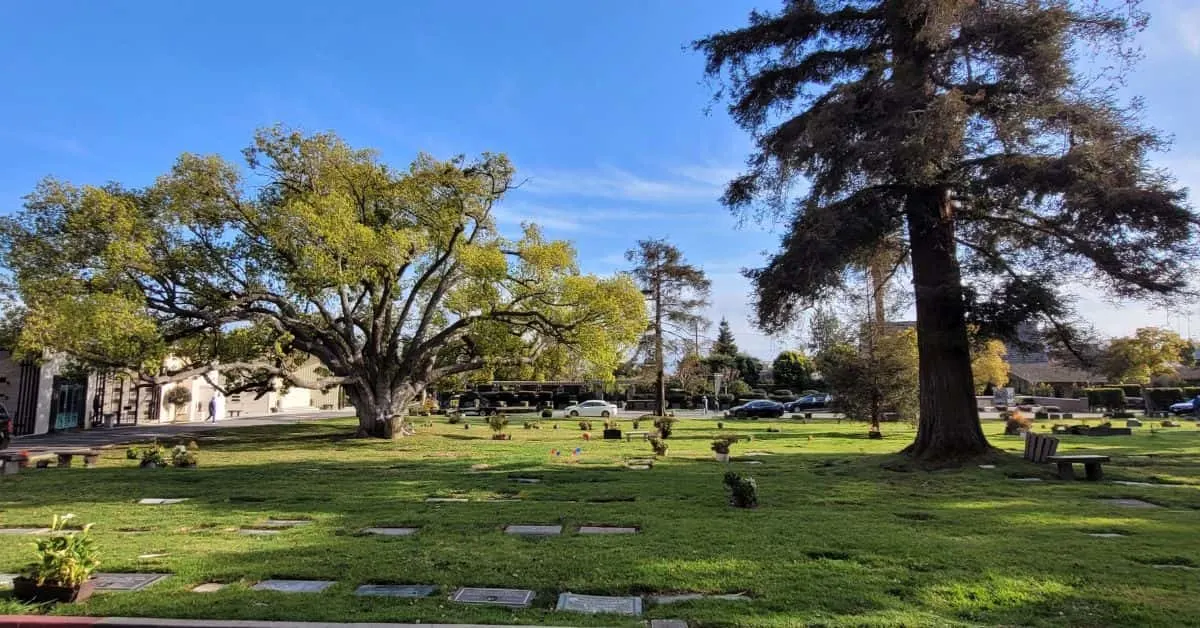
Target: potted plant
(63, 572)
(585, 426)
(184, 456)
(664, 425)
(720, 449)
(150, 457)
(612, 430)
(658, 445)
(498, 422)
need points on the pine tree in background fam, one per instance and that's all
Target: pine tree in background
(965, 125)
(725, 344)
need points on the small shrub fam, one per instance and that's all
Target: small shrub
(497, 422)
(585, 426)
(664, 425)
(743, 491)
(454, 418)
(1123, 415)
(533, 425)
(1041, 415)
(720, 425)
(721, 445)
(152, 455)
(773, 429)
(658, 445)
(66, 558)
(1015, 423)
(636, 423)
(547, 413)
(611, 424)
(184, 456)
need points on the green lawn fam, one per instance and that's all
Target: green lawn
(837, 541)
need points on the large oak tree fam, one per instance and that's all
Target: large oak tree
(392, 279)
(973, 127)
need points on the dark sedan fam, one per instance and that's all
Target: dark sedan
(808, 402)
(760, 408)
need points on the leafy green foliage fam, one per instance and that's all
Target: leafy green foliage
(1150, 352)
(877, 376)
(1161, 398)
(497, 422)
(793, 369)
(178, 396)
(743, 490)
(988, 365)
(724, 344)
(393, 279)
(1111, 399)
(971, 126)
(67, 557)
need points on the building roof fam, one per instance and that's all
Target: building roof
(1051, 373)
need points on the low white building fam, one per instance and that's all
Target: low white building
(46, 397)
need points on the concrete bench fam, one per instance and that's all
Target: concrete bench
(1091, 464)
(629, 435)
(234, 413)
(10, 461)
(64, 456)
(1039, 447)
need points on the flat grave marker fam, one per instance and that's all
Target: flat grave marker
(514, 598)
(257, 532)
(209, 587)
(127, 581)
(528, 530)
(293, 586)
(675, 598)
(161, 501)
(285, 523)
(1130, 503)
(6, 580)
(526, 480)
(384, 531)
(1106, 535)
(446, 499)
(152, 556)
(607, 530)
(599, 604)
(396, 590)
(1183, 567)
(1026, 479)
(668, 623)
(24, 530)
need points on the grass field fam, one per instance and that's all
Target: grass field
(837, 541)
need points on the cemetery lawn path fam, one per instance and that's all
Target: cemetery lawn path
(838, 538)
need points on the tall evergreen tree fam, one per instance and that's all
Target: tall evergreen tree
(676, 291)
(725, 344)
(966, 125)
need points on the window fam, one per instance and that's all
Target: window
(235, 398)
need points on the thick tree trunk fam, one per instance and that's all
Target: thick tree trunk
(382, 412)
(949, 428)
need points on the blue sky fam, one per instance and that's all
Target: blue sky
(598, 104)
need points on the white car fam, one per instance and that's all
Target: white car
(596, 407)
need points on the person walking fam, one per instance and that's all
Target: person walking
(212, 409)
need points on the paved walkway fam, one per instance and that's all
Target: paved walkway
(98, 437)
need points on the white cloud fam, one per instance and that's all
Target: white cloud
(1187, 27)
(576, 218)
(687, 183)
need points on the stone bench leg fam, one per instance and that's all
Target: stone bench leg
(10, 467)
(1094, 470)
(1066, 471)
(64, 461)
(90, 461)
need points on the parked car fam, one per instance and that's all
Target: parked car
(595, 407)
(757, 408)
(1183, 407)
(809, 402)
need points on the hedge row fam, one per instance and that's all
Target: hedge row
(1107, 398)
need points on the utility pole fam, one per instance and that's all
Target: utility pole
(660, 386)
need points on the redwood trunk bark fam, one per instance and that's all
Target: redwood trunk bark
(948, 429)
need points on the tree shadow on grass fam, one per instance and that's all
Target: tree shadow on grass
(827, 540)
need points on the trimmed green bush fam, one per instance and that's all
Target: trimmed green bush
(1111, 399)
(1158, 399)
(1131, 390)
